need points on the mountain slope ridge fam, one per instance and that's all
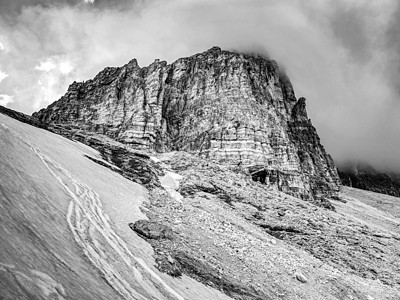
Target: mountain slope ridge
(363, 176)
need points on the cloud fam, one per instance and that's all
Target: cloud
(2, 76)
(65, 67)
(343, 56)
(6, 99)
(45, 66)
(55, 73)
(59, 63)
(392, 41)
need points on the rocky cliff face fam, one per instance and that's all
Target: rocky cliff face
(229, 107)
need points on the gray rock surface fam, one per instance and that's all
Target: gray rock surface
(151, 230)
(230, 107)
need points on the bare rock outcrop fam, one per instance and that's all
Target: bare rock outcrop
(151, 230)
(230, 107)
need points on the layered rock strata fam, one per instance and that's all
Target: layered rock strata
(229, 107)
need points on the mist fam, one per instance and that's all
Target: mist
(342, 56)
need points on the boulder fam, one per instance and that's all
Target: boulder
(151, 230)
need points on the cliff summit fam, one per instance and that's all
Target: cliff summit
(228, 107)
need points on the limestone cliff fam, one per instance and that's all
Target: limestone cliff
(230, 107)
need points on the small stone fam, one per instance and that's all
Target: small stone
(258, 215)
(273, 242)
(300, 277)
(170, 259)
(281, 213)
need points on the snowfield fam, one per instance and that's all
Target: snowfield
(64, 225)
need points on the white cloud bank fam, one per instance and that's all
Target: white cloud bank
(3, 76)
(45, 66)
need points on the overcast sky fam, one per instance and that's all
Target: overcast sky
(342, 55)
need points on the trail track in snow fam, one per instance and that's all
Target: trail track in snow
(127, 274)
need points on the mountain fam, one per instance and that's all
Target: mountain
(75, 224)
(228, 107)
(202, 179)
(365, 177)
